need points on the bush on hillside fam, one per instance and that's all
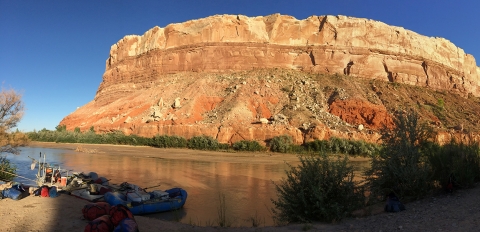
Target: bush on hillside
(247, 145)
(297, 149)
(224, 146)
(342, 146)
(65, 137)
(400, 166)
(322, 146)
(136, 140)
(282, 143)
(166, 141)
(203, 143)
(319, 189)
(61, 128)
(339, 146)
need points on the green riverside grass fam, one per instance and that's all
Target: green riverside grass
(283, 143)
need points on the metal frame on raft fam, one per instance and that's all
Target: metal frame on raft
(48, 175)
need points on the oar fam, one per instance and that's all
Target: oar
(152, 187)
(33, 160)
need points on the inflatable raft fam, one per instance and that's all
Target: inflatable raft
(140, 202)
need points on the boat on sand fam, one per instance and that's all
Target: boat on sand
(139, 201)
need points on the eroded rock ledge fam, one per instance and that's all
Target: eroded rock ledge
(330, 44)
(162, 82)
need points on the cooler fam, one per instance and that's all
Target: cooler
(145, 196)
(160, 194)
(138, 196)
(63, 181)
(133, 196)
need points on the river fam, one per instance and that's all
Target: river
(245, 181)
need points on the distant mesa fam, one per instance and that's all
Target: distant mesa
(195, 70)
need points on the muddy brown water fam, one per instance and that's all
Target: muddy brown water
(245, 180)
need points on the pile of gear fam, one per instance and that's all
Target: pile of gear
(17, 191)
(104, 217)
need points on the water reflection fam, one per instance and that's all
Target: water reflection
(247, 187)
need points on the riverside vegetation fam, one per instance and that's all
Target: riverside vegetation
(11, 112)
(8, 167)
(322, 187)
(408, 164)
(283, 144)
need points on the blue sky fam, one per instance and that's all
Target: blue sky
(54, 52)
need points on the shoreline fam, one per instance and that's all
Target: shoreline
(182, 153)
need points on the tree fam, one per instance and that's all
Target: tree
(61, 128)
(401, 167)
(318, 189)
(11, 112)
(281, 143)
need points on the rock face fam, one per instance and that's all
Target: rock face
(358, 112)
(152, 85)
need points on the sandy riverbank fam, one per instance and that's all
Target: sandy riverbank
(459, 211)
(172, 153)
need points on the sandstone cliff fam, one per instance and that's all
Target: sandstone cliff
(164, 81)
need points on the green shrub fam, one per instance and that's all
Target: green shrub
(246, 145)
(440, 103)
(168, 141)
(318, 189)
(342, 146)
(339, 146)
(6, 166)
(89, 137)
(400, 166)
(136, 140)
(281, 143)
(297, 149)
(459, 161)
(177, 141)
(224, 146)
(116, 137)
(66, 137)
(77, 130)
(371, 150)
(61, 128)
(203, 143)
(322, 146)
